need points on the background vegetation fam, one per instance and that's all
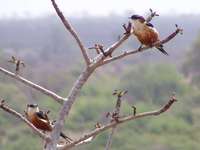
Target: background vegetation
(53, 60)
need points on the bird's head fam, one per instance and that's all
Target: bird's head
(137, 18)
(32, 108)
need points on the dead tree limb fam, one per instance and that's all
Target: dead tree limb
(126, 53)
(115, 115)
(96, 62)
(121, 121)
(152, 14)
(64, 111)
(110, 137)
(43, 90)
(82, 79)
(111, 49)
(72, 31)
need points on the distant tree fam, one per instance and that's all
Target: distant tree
(191, 67)
(37, 120)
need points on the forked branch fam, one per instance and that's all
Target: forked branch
(127, 34)
(97, 61)
(126, 53)
(152, 14)
(121, 121)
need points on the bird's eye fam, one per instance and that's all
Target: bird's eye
(32, 105)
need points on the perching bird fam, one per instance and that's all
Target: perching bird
(145, 32)
(40, 120)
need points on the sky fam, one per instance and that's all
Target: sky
(77, 8)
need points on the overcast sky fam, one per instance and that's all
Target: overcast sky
(96, 7)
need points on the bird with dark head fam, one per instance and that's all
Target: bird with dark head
(137, 17)
(41, 120)
(145, 32)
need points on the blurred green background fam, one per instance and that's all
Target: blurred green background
(53, 60)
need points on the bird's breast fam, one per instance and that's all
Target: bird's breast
(146, 36)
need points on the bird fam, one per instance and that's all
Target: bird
(41, 120)
(145, 32)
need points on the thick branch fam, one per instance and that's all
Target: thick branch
(126, 53)
(120, 121)
(33, 85)
(68, 104)
(72, 31)
(22, 118)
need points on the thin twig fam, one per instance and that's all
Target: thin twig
(43, 90)
(121, 121)
(152, 14)
(72, 31)
(18, 63)
(99, 58)
(115, 115)
(110, 137)
(113, 47)
(22, 118)
(126, 53)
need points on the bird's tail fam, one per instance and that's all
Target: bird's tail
(68, 139)
(161, 49)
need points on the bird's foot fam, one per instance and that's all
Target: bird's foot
(140, 48)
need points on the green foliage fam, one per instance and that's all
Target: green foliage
(191, 65)
(153, 83)
(149, 86)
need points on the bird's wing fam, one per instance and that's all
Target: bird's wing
(149, 24)
(42, 116)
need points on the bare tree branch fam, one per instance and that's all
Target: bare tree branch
(111, 49)
(49, 93)
(121, 121)
(68, 104)
(152, 14)
(115, 115)
(52, 142)
(126, 53)
(110, 136)
(127, 34)
(72, 31)
(22, 118)
(98, 61)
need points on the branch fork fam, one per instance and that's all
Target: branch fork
(91, 65)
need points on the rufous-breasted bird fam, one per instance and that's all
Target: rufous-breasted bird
(145, 32)
(41, 121)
